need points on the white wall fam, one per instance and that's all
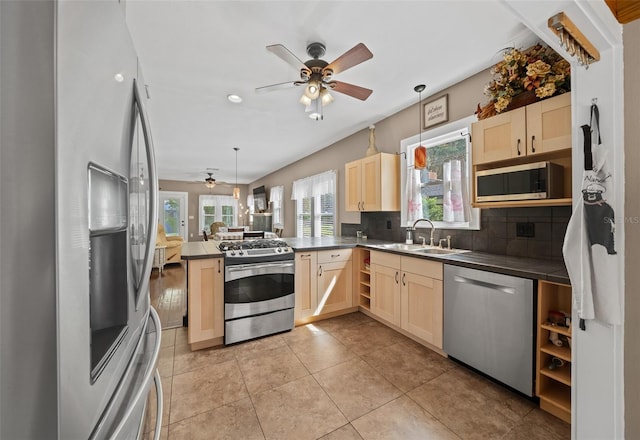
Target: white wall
(631, 35)
(598, 383)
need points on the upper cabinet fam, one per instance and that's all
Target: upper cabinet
(537, 128)
(373, 183)
(549, 125)
(538, 132)
(500, 137)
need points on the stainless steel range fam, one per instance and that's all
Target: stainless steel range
(258, 288)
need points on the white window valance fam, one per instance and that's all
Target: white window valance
(276, 194)
(314, 186)
(222, 200)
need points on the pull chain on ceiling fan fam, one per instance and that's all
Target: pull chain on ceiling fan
(317, 75)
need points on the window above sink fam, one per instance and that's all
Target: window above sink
(448, 150)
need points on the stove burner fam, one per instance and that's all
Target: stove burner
(251, 244)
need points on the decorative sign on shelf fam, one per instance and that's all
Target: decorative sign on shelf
(436, 111)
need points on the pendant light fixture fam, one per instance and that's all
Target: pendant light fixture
(420, 153)
(236, 189)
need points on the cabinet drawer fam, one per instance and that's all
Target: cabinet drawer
(428, 268)
(385, 259)
(333, 255)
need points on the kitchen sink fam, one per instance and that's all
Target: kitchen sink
(419, 249)
(438, 251)
(400, 246)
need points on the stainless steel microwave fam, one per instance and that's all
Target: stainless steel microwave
(532, 181)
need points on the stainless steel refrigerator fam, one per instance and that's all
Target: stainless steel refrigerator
(79, 339)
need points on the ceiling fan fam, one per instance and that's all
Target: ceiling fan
(317, 75)
(210, 182)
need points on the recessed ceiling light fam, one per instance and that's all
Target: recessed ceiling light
(236, 99)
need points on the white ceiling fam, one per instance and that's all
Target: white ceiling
(194, 53)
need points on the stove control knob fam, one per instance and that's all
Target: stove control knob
(233, 253)
(240, 252)
(278, 250)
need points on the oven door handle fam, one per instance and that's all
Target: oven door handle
(246, 270)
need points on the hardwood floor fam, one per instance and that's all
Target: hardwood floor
(169, 294)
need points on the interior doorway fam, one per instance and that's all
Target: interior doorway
(172, 213)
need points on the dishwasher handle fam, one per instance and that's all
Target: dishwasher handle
(505, 289)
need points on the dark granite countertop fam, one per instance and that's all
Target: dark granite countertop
(320, 243)
(549, 270)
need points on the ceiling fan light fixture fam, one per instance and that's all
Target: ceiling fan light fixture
(312, 91)
(326, 97)
(305, 100)
(236, 99)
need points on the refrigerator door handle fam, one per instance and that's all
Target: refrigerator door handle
(153, 190)
(159, 405)
(147, 376)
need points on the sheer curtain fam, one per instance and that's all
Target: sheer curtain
(276, 197)
(454, 198)
(315, 198)
(314, 186)
(414, 195)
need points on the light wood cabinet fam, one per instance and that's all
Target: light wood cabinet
(553, 385)
(306, 284)
(373, 183)
(537, 128)
(206, 302)
(407, 292)
(537, 132)
(422, 299)
(323, 283)
(500, 137)
(362, 277)
(385, 296)
(549, 125)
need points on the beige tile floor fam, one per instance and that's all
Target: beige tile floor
(344, 378)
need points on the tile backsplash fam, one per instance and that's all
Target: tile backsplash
(497, 233)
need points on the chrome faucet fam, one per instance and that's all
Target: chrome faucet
(433, 228)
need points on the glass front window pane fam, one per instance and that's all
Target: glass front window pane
(227, 215)
(209, 216)
(171, 217)
(432, 177)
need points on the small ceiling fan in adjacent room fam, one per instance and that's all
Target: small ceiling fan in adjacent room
(317, 75)
(208, 180)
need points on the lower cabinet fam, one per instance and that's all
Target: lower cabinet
(385, 286)
(323, 283)
(553, 369)
(206, 302)
(407, 292)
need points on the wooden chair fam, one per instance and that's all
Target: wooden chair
(252, 234)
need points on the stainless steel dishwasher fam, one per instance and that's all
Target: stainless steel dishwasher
(488, 324)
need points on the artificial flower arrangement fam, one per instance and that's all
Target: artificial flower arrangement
(538, 70)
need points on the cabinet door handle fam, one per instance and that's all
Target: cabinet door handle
(533, 149)
(518, 146)
(320, 271)
(218, 265)
(404, 277)
(305, 255)
(335, 255)
(396, 277)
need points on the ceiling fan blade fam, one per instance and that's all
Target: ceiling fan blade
(272, 87)
(285, 54)
(357, 92)
(350, 58)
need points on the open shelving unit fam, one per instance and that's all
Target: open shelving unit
(364, 280)
(553, 386)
